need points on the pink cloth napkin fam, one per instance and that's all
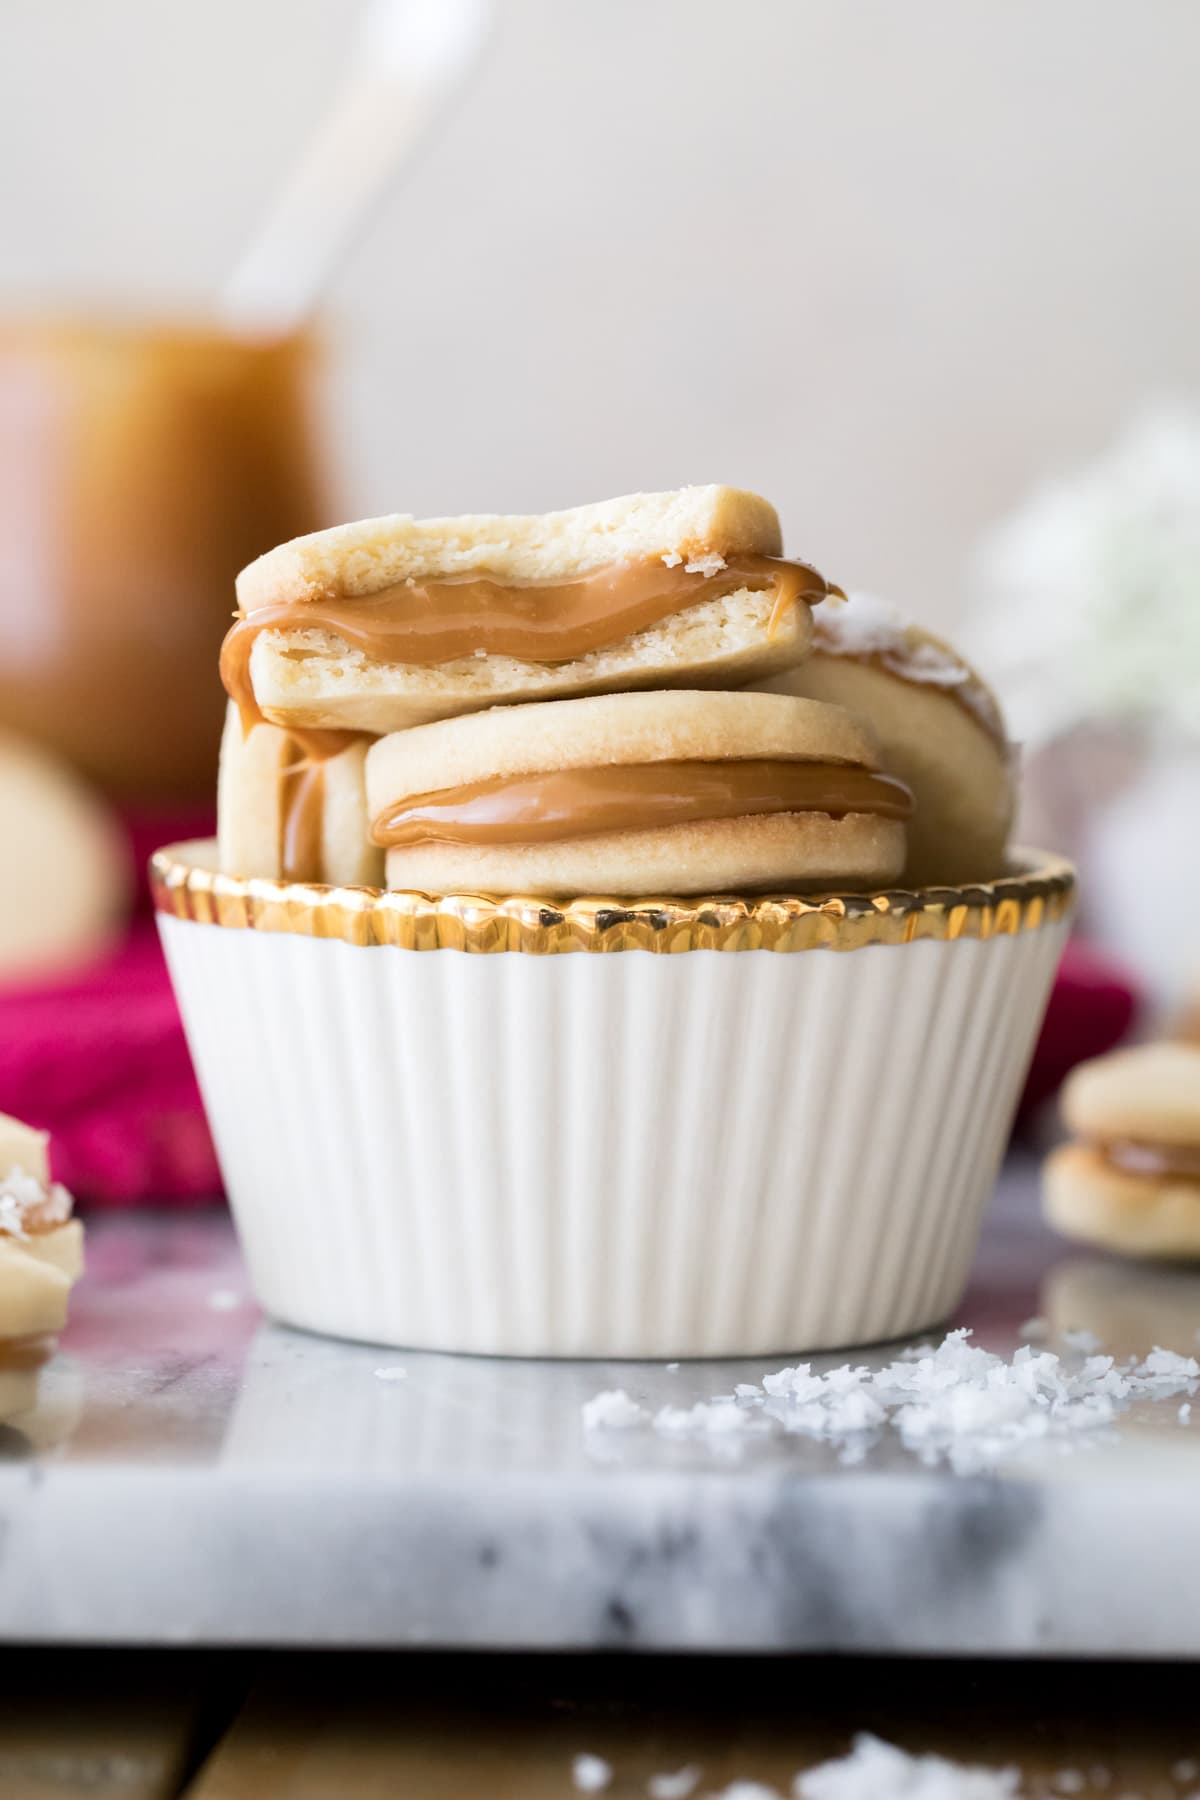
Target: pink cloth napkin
(1093, 1006)
(98, 1059)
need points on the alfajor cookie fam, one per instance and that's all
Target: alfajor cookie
(939, 729)
(283, 816)
(41, 1245)
(673, 792)
(397, 621)
(1131, 1180)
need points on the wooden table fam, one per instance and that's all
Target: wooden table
(129, 1726)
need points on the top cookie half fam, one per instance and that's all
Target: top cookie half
(396, 621)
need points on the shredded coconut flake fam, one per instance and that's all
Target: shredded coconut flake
(878, 1771)
(19, 1194)
(612, 1410)
(672, 558)
(711, 564)
(718, 1417)
(676, 1786)
(392, 1372)
(1034, 1330)
(591, 1774)
(1166, 1367)
(1086, 1342)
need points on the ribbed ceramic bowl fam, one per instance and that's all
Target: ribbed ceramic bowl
(666, 1128)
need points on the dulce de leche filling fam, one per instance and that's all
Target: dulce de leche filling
(555, 805)
(1161, 1162)
(302, 820)
(431, 620)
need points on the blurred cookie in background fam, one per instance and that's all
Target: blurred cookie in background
(41, 1245)
(1130, 1179)
(65, 895)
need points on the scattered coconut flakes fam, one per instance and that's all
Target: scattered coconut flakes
(675, 1786)
(1086, 1342)
(1034, 1329)
(954, 1402)
(672, 558)
(1185, 1412)
(392, 1372)
(224, 1300)
(718, 1417)
(709, 564)
(878, 1771)
(612, 1410)
(591, 1774)
(20, 1192)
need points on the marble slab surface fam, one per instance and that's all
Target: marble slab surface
(183, 1471)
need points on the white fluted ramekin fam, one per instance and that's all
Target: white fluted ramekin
(459, 1124)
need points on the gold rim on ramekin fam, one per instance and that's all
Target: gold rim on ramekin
(1038, 890)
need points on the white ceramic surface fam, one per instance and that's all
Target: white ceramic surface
(703, 1154)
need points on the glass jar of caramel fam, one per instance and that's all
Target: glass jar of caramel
(140, 469)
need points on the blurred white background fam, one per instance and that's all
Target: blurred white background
(889, 264)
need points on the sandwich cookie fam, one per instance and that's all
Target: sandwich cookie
(939, 729)
(41, 1245)
(283, 815)
(398, 621)
(1131, 1181)
(672, 793)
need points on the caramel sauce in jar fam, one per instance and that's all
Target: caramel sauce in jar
(140, 469)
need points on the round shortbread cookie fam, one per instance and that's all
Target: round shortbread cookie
(36, 1276)
(797, 852)
(939, 729)
(1087, 1199)
(253, 789)
(675, 725)
(369, 554)
(803, 851)
(1149, 1094)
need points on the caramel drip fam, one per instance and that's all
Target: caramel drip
(428, 621)
(1163, 1162)
(301, 822)
(554, 805)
